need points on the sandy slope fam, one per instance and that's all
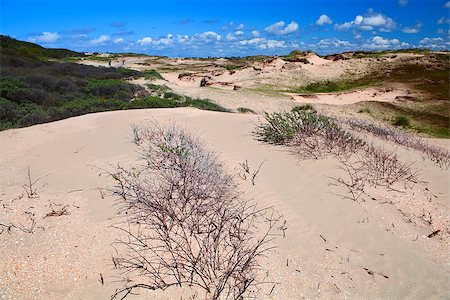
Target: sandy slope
(63, 259)
(367, 94)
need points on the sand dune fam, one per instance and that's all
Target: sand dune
(334, 248)
(368, 94)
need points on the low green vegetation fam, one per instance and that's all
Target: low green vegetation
(245, 110)
(34, 89)
(329, 86)
(13, 47)
(151, 74)
(422, 119)
(297, 56)
(307, 107)
(365, 110)
(428, 114)
(281, 127)
(233, 67)
(402, 121)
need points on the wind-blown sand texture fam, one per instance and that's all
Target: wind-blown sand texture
(334, 247)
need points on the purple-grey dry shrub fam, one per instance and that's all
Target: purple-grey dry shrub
(186, 224)
(436, 154)
(376, 167)
(314, 135)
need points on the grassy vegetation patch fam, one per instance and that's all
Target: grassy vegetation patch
(151, 74)
(329, 86)
(36, 90)
(245, 110)
(280, 128)
(234, 67)
(433, 122)
(10, 46)
(402, 121)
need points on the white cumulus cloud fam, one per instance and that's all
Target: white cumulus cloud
(145, 41)
(280, 28)
(327, 43)
(426, 41)
(230, 37)
(182, 38)
(435, 43)
(324, 19)
(118, 40)
(370, 21)
(45, 37)
(378, 42)
(100, 40)
(164, 40)
(255, 33)
(208, 36)
(240, 27)
(412, 29)
(263, 43)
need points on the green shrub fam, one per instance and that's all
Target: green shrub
(205, 104)
(151, 74)
(128, 72)
(364, 110)
(402, 121)
(9, 111)
(173, 96)
(233, 67)
(303, 107)
(328, 86)
(245, 110)
(281, 127)
(151, 102)
(111, 88)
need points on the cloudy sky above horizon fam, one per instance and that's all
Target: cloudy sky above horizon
(228, 28)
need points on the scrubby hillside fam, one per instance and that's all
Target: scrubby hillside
(34, 89)
(13, 47)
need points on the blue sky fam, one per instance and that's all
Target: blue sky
(228, 28)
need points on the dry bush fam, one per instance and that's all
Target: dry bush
(436, 154)
(375, 167)
(315, 142)
(186, 224)
(313, 135)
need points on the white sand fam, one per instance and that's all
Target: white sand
(64, 259)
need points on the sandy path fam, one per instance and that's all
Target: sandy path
(65, 260)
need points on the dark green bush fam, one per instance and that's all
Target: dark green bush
(152, 102)
(151, 74)
(303, 107)
(402, 121)
(111, 88)
(245, 110)
(205, 104)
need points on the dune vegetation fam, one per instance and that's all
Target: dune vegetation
(36, 88)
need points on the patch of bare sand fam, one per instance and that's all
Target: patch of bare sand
(334, 248)
(360, 95)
